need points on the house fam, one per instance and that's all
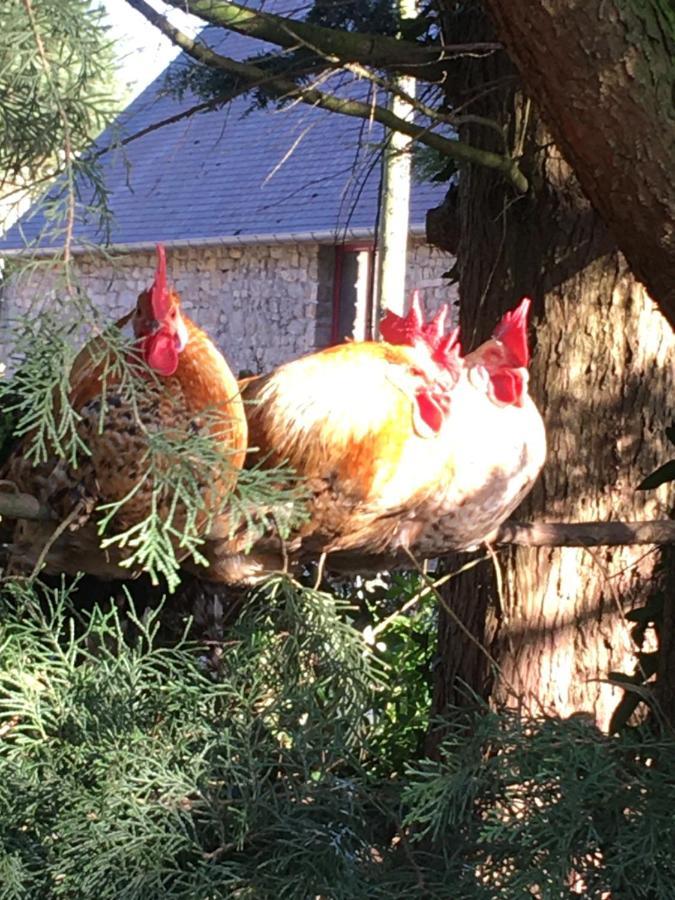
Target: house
(268, 216)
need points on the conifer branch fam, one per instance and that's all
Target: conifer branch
(284, 88)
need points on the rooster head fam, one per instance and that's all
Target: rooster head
(411, 330)
(506, 356)
(158, 324)
(432, 396)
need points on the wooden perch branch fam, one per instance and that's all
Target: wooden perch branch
(15, 505)
(585, 534)
(523, 534)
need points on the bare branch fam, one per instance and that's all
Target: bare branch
(380, 51)
(285, 88)
(419, 105)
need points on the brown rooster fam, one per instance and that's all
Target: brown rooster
(184, 386)
(401, 441)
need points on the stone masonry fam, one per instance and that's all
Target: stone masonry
(263, 304)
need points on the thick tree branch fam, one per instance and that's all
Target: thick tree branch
(284, 88)
(380, 51)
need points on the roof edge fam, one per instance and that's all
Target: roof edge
(327, 236)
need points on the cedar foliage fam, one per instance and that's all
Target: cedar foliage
(139, 768)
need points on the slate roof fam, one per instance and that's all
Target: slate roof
(235, 174)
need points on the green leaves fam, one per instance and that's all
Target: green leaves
(546, 807)
(246, 765)
(36, 398)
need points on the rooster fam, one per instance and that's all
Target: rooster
(184, 387)
(402, 443)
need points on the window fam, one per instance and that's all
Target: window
(353, 292)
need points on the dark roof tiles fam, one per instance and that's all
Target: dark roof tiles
(234, 173)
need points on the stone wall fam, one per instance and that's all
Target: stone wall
(263, 304)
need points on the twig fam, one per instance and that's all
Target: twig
(385, 623)
(53, 538)
(67, 143)
(458, 622)
(426, 110)
(9, 726)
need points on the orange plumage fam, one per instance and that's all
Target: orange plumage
(185, 387)
(402, 442)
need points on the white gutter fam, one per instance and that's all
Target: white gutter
(325, 236)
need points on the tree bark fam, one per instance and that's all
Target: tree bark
(550, 629)
(602, 74)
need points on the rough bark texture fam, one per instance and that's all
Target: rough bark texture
(602, 73)
(602, 375)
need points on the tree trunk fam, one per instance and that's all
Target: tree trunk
(602, 74)
(603, 378)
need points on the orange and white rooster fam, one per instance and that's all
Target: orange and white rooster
(185, 387)
(402, 442)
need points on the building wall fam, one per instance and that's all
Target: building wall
(263, 304)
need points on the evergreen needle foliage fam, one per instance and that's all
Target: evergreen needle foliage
(55, 81)
(36, 398)
(177, 467)
(55, 65)
(137, 771)
(179, 470)
(130, 768)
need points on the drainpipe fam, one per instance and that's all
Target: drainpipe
(395, 205)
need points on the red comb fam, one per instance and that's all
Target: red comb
(159, 296)
(410, 329)
(512, 332)
(404, 329)
(435, 329)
